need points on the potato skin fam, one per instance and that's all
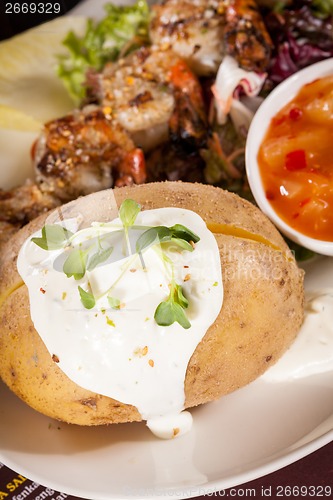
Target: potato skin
(261, 313)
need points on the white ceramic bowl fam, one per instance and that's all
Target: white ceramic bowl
(282, 94)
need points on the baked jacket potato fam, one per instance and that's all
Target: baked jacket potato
(261, 313)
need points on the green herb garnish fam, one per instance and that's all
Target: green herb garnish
(85, 257)
(181, 232)
(128, 212)
(79, 260)
(153, 236)
(172, 309)
(76, 264)
(99, 257)
(53, 237)
(87, 298)
(177, 234)
(114, 302)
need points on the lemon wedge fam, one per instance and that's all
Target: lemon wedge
(13, 119)
(28, 80)
(15, 158)
(30, 93)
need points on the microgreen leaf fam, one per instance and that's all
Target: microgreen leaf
(75, 264)
(172, 309)
(180, 316)
(152, 236)
(87, 298)
(53, 237)
(182, 232)
(41, 242)
(114, 302)
(99, 257)
(182, 244)
(168, 312)
(179, 297)
(128, 212)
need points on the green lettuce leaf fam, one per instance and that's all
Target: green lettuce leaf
(123, 29)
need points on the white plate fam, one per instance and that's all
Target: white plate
(269, 424)
(276, 420)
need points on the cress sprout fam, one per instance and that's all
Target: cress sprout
(81, 259)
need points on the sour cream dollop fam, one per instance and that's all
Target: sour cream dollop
(120, 351)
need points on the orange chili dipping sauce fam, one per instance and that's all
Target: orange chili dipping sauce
(296, 161)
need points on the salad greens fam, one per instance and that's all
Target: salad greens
(303, 34)
(123, 29)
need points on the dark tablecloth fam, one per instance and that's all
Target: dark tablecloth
(16, 22)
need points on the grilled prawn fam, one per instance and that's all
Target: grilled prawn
(245, 35)
(154, 95)
(20, 205)
(78, 154)
(84, 152)
(194, 30)
(23, 203)
(202, 32)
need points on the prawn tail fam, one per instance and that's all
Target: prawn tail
(132, 169)
(188, 122)
(186, 126)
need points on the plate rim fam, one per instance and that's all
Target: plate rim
(280, 461)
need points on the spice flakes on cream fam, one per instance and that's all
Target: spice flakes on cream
(101, 322)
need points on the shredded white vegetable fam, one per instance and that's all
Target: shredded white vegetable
(230, 77)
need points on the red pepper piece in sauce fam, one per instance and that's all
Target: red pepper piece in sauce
(304, 202)
(295, 114)
(270, 195)
(295, 160)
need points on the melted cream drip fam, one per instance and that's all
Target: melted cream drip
(123, 353)
(312, 351)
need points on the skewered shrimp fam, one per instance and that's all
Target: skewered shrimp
(194, 30)
(246, 36)
(202, 32)
(154, 95)
(23, 203)
(84, 152)
(81, 153)
(20, 205)
(188, 121)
